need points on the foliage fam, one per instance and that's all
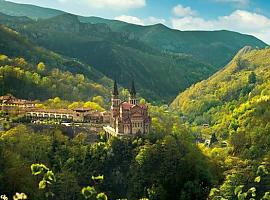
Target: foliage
(58, 103)
(26, 82)
(41, 66)
(163, 166)
(90, 192)
(220, 44)
(234, 103)
(115, 55)
(47, 179)
(19, 196)
(231, 190)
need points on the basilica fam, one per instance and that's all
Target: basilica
(128, 118)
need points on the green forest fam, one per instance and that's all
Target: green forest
(31, 72)
(156, 166)
(235, 104)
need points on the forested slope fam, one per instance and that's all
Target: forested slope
(116, 55)
(125, 51)
(29, 71)
(235, 102)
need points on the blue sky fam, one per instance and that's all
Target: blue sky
(245, 16)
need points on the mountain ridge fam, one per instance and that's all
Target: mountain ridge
(116, 55)
(125, 51)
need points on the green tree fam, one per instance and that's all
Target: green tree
(252, 78)
(41, 66)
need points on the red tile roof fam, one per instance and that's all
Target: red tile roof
(126, 106)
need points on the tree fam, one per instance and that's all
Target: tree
(93, 105)
(41, 67)
(142, 101)
(252, 78)
(99, 100)
(213, 138)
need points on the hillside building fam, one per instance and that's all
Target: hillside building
(13, 105)
(78, 115)
(128, 118)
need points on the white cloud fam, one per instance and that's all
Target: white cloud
(154, 20)
(191, 23)
(240, 21)
(130, 19)
(240, 2)
(181, 11)
(109, 4)
(139, 21)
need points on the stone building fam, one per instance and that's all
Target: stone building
(128, 118)
(79, 115)
(13, 105)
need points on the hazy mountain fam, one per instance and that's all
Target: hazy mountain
(214, 47)
(34, 12)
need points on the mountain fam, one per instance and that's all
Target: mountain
(116, 55)
(31, 11)
(125, 51)
(62, 76)
(235, 98)
(232, 109)
(213, 47)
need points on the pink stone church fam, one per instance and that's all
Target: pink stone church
(128, 118)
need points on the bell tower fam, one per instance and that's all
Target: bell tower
(115, 107)
(132, 94)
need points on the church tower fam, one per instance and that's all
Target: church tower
(115, 107)
(132, 94)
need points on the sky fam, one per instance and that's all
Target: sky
(244, 16)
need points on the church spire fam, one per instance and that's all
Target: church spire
(132, 94)
(133, 90)
(115, 89)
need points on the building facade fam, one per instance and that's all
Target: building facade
(128, 118)
(78, 115)
(13, 105)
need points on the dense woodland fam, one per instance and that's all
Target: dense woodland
(156, 166)
(31, 72)
(22, 79)
(235, 102)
